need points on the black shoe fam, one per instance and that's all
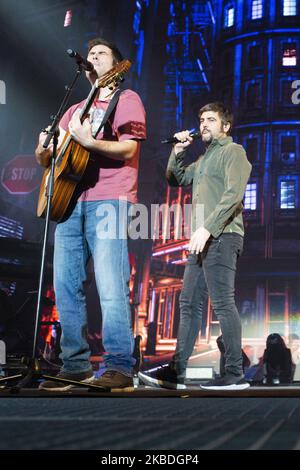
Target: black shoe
(56, 386)
(228, 382)
(164, 377)
(114, 380)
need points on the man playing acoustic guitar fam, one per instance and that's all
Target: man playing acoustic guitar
(109, 185)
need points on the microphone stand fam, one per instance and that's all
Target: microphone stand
(33, 366)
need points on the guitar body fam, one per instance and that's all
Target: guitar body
(68, 172)
(72, 159)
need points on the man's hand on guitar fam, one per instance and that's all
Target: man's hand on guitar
(43, 155)
(42, 138)
(81, 132)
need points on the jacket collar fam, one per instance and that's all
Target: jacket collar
(223, 140)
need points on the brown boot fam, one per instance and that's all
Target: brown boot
(114, 380)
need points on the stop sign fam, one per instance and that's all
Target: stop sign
(21, 175)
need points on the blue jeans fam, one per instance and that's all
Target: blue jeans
(76, 240)
(213, 272)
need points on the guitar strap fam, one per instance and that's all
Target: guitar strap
(112, 104)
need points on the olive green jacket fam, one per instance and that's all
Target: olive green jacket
(219, 179)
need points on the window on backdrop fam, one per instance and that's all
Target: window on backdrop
(257, 9)
(250, 197)
(288, 194)
(229, 16)
(289, 56)
(289, 7)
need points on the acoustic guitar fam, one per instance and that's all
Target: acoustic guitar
(72, 158)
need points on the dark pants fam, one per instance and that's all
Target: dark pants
(213, 273)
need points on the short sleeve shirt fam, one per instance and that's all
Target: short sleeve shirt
(106, 178)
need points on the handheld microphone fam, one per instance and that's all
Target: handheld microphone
(85, 64)
(173, 140)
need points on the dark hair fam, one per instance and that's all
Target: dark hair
(278, 360)
(275, 340)
(218, 107)
(117, 56)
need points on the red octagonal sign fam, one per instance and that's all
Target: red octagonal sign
(21, 175)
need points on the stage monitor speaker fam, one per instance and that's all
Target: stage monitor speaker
(2, 353)
(197, 373)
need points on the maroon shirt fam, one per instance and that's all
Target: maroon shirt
(106, 178)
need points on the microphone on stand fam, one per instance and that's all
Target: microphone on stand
(173, 140)
(85, 64)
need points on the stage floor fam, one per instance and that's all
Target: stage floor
(150, 420)
(193, 391)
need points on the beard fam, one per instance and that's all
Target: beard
(207, 137)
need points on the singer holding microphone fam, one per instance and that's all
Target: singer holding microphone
(218, 179)
(109, 185)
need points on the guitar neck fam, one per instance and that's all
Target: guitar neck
(83, 114)
(89, 101)
(112, 77)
